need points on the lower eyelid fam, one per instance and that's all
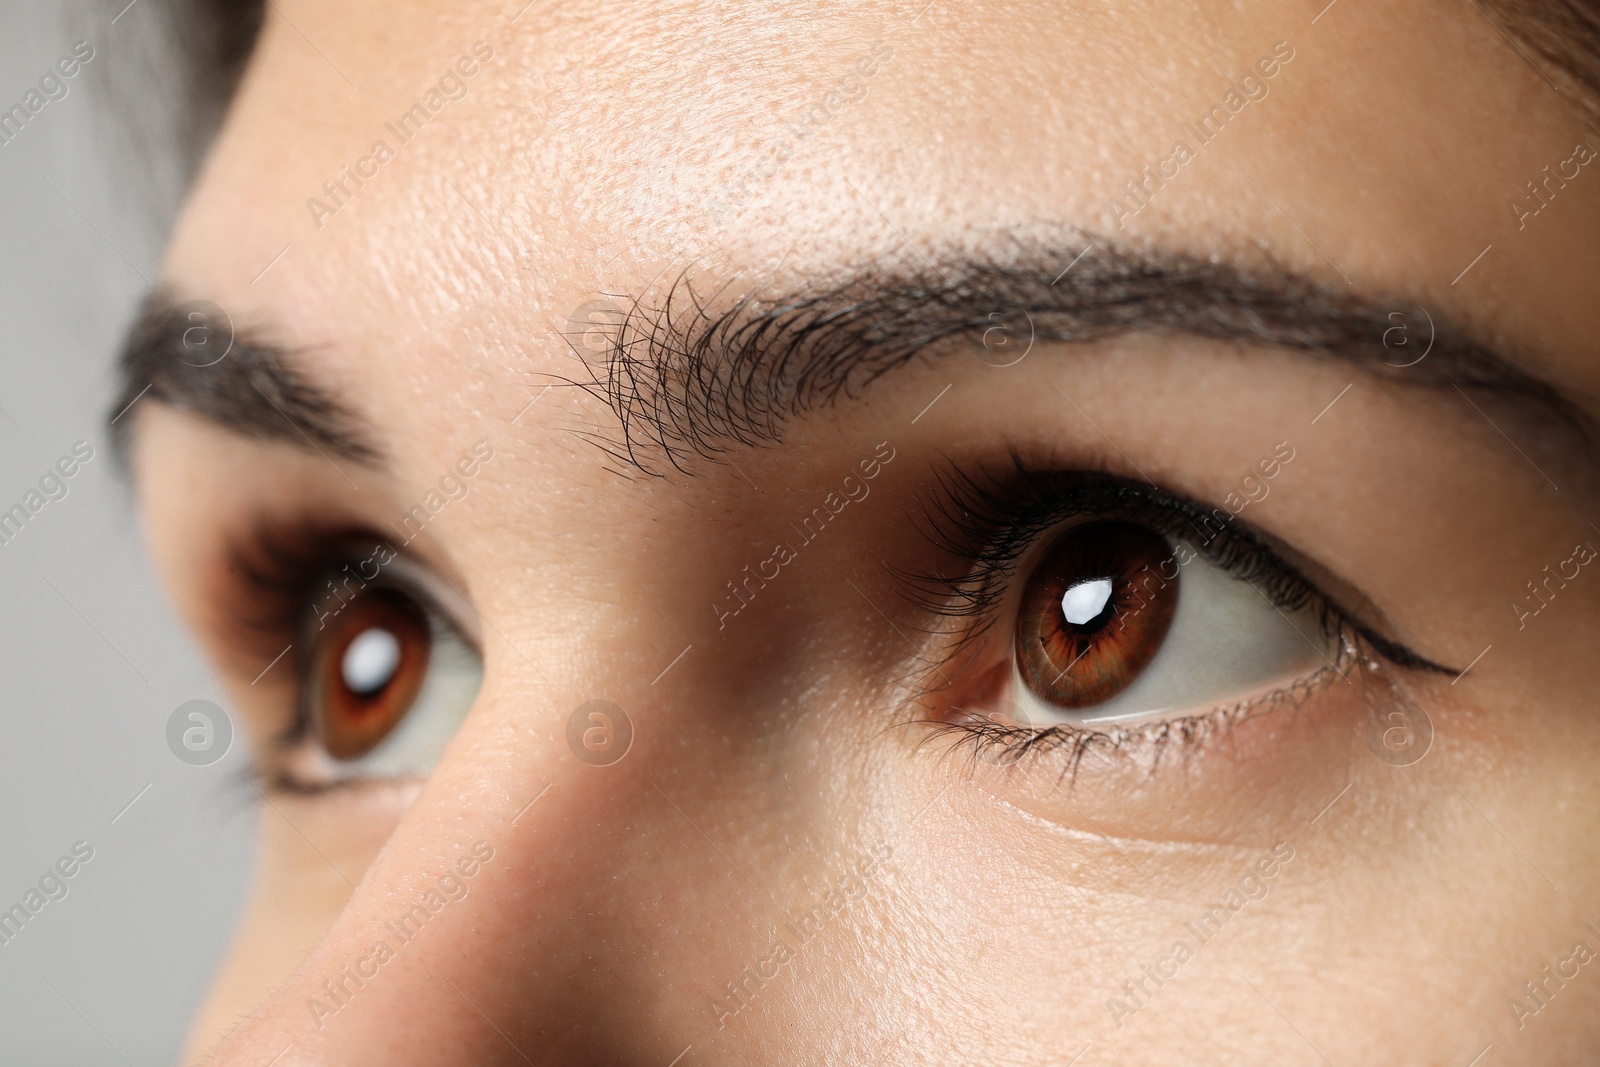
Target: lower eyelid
(284, 781)
(1064, 746)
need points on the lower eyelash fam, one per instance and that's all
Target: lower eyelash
(989, 520)
(1006, 744)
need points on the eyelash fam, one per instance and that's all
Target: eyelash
(277, 568)
(988, 518)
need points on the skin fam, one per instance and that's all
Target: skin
(776, 754)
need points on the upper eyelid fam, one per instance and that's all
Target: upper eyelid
(441, 601)
(285, 568)
(445, 607)
(285, 561)
(441, 596)
(972, 511)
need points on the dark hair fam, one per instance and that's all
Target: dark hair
(178, 64)
(1565, 36)
(219, 37)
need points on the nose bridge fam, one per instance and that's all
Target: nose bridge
(523, 897)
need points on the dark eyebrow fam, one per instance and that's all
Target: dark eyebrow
(188, 355)
(691, 375)
(685, 379)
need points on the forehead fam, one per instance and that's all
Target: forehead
(437, 188)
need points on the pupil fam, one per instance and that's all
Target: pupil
(370, 661)
(1086, 601)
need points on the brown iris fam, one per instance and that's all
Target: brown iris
(369, 662)
(1095, 611)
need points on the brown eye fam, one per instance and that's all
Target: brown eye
(1095, 611)
(369, 662)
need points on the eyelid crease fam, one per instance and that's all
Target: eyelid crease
(1363, 614)
(280, 562)
(442, 596)
(990, 518)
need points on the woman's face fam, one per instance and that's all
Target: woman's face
(896, 534)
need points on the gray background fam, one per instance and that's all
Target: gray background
(93, 667)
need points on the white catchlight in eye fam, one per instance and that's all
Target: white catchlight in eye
(370, 661)
(1086, 600)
